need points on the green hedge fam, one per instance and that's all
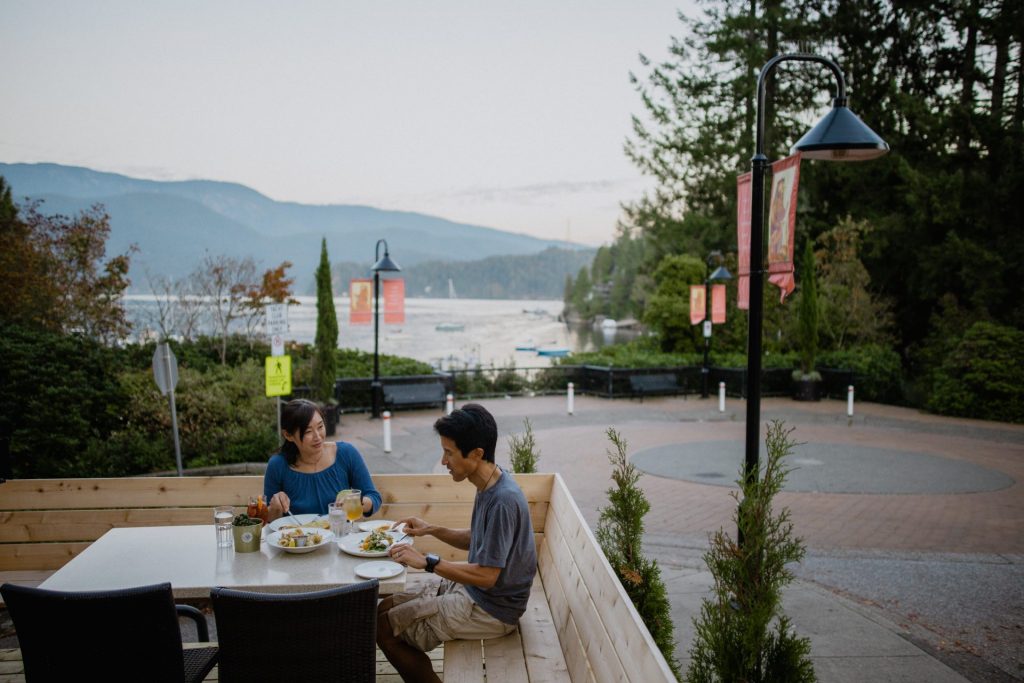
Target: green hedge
(984, 376)
(878, 371)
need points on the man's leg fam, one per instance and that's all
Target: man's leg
(411, 664)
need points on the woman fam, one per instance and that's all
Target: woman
(309, 471)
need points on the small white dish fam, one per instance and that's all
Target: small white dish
(378, 523)
(326, 537)
(381, 569)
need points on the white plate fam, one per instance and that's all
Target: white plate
(326, 537)
(350, 544)
(288, 521)
(375, 523)
(381, 569)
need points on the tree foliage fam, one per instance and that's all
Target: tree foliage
(734, 638)
(325, 365)
(523, 450)
(807, 308)
(620, 532)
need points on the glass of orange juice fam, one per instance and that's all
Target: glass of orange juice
(352, 504)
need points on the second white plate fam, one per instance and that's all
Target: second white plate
(381, 569)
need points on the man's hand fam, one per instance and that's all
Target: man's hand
(414, 526)
(403, 553)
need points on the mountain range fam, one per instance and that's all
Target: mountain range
(174, 224)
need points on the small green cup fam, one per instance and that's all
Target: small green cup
(247, 537)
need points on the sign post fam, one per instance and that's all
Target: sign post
(165, 372)
(277, 327)
(278, 380)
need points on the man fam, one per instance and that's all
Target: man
(483, 597)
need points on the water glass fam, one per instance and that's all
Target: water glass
(336, 516)
(222, 517)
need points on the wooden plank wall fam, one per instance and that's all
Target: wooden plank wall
(602, 636)
(46, 522)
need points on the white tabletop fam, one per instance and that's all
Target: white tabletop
(189, 558)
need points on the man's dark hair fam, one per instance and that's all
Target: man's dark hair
(471, 426)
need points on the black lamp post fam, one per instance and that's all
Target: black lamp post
(382, 265)
(721, 274)
(840, 136)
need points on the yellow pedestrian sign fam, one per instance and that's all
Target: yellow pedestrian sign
(279, 375)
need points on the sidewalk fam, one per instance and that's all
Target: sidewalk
(890, 486)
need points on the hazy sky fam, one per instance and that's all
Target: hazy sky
(506, 114)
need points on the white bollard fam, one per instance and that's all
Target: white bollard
(387, 430)
(721, 397)
(449, 404)
(849, 401)
(569, 398)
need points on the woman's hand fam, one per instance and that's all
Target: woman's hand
(280, 503)
(367, 505)
(414, 526)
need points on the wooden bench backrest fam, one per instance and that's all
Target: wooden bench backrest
(601, 633)
(46, 522)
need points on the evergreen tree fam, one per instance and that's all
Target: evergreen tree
(734, 637)
(808, 312)
(620, 532)
(325, 363)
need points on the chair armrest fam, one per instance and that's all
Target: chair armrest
(202, 630)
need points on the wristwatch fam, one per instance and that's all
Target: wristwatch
(432, 561)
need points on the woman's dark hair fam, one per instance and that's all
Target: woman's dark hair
(296, 415)
(471, 426)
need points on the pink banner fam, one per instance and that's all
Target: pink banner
(743, 240)
(394, 301)
(697, 304)
(360, 302)
(782, 223)
(717, 304)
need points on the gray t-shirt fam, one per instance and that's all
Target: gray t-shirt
(501, 535)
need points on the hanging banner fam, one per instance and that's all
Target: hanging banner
(782, 224)
(360, 298)
(718, 304)
(697, 304)
(743, 240)
(394, 301)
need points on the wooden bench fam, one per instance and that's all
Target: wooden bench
(653, 385)
(580, 625)
(419, 394)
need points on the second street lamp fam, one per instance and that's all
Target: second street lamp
(721, 274)
(384, 265)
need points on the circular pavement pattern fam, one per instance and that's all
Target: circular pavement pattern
(825, 467)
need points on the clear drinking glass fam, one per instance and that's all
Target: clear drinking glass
(222, 517)
(352, 503)
(336, 516)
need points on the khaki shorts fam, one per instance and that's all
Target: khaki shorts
(427, 617)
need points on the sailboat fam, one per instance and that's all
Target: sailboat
(450, 326)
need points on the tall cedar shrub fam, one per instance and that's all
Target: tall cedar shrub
(734, 638)
(808, 312)
(325, 364)
(620, 531)
(523, 450)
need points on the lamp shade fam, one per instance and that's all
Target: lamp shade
(385, 265)
(721, 273)
(841, 136)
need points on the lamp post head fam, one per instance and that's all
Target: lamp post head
(841, 136)
(384, 264)
(721, 273)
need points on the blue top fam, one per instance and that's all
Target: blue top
(310, 493)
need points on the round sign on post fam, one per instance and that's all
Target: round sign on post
(165, 368)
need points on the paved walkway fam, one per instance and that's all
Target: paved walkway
(913, 523)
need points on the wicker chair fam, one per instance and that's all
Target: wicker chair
(130, 634)
(327, 635)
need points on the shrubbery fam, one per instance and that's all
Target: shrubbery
(877, 371)
(984, 375)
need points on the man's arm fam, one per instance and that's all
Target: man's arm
(459, 572)
(458, 538)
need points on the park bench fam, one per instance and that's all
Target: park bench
(418, 394)
(653, 385)
(579, 626)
